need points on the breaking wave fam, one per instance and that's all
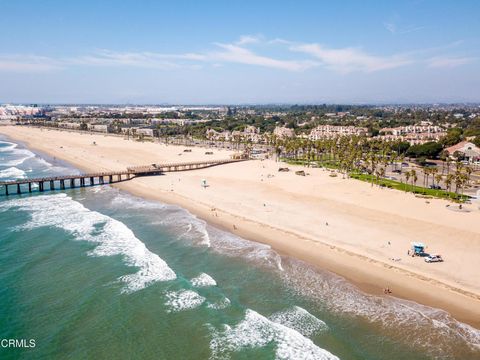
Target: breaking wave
(183, 300)
(219, 305)
(9, 146)
(300, 320)
(20, 156)
(431, 329)
(256, 331)
(12, 173)
(112, 236)
(203, 280)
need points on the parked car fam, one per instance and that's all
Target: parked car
(398, 171)
(436, 187)
(433, 258)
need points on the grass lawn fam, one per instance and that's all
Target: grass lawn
(392, 184)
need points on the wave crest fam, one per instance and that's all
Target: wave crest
(112, 236)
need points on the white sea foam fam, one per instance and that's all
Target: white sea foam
(183, 300)
(49, 167)
(187, 226)
(21, 155)
(10, 146)
(12, 173)
(300, 320)
(233, 245)
(203, 280)
(256, 331)
(113, 237)
(219, 305)
(182, 223)
(419, 326)
(123, 200)
(45, 163)
(433, 330)
(195, 229)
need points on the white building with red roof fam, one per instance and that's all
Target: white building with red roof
(470, 151)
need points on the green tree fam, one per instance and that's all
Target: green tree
(428, 150)
(476, 141)
(454, 136)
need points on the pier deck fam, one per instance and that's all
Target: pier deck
(61, 182)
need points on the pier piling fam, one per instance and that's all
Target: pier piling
(130, 173)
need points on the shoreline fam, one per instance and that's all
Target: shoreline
(368, 273)
(363, 272)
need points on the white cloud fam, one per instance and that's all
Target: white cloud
(28, 63)
(297, 57)
(135, 59)
(390, 27)
(448, 62)
(227, 53)
(346, 60)
(395, 29)
(280, 41)
(248, 39)
(237, 54)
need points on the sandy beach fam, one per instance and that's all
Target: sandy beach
(346, 226)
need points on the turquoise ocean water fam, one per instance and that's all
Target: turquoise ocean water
(96, 273)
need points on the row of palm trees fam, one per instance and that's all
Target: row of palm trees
(459, 179)
(351, 154)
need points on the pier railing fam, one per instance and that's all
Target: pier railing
(60, 182)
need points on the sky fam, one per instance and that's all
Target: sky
(239, 52)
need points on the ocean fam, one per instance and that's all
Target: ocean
(99, 273)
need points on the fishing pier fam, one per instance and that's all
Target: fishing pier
(62, 182)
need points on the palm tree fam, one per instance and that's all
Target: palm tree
(458, 182)
(414, 180)
(414, 176)
(372, 160)
(444, 156)
(381, 173)
(401, 159)
(438, 179)
(468, 171)
(434, 172)
(448, 182)
(407, 177)
(425, 175)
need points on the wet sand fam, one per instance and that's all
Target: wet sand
(343, 225)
